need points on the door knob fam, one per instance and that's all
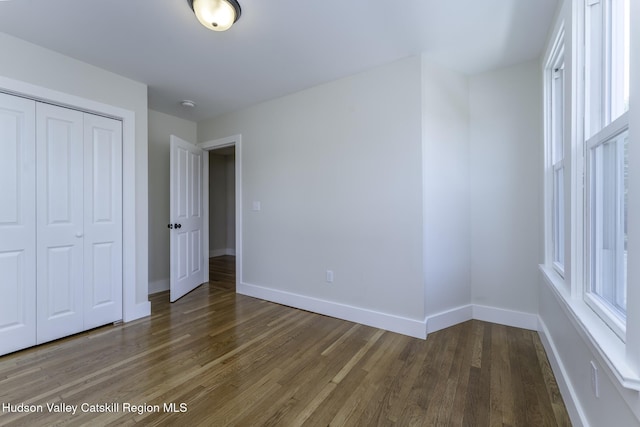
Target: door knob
(178, 226)
(170, 226)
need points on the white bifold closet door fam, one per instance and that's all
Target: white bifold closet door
(79, 221)
(17, 224)
(60, 222)
(60, 219)
(102, 220)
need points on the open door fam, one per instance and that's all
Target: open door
(186, 216)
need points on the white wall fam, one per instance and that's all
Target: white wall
(337, 169)
(445, 136)
(217, 204)
(231, 203)
(42, 67)
(161, 126)
(506, 181)
(221, 204)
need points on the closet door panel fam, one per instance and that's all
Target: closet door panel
(60, 217)
(103, 221)
(17, 224)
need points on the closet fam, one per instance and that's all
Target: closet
(60, 222)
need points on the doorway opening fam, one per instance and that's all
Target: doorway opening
(222, 217)
(222, 185)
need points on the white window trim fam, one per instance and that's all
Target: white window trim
(557, 54)
(577, 102)
(556, 72)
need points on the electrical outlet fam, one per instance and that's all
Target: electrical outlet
(329, 276)
(595, 386)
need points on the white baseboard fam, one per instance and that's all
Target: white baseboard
(501, 316)
(221, 252)
(449, 318)
(571, 401)
(467, 312)
(389, 322)
(158, 286)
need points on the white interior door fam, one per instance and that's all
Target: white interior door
(60, 217)
(102, 221)
(186, 215)
(17, 224)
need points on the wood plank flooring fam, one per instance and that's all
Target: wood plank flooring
(226, 359)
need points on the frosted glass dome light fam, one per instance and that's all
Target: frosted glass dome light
(216, 15)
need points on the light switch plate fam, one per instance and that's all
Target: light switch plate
(329, 276)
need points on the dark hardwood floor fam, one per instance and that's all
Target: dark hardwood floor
(222, 272)
(234, 360)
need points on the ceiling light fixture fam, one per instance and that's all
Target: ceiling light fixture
(216, 15)
(187, 103)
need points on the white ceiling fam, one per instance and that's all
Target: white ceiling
(278, 46)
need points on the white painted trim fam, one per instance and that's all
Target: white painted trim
(228, 141)
(234, 140)
(568, 392)
(221, 252)
(464, 313)
(449, 318)
(501, 316)
(159, 286)
(389, 322)
(205, 212)
(217, 252)
(131, 309)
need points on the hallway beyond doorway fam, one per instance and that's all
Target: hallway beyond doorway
(222, 272)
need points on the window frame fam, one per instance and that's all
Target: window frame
(555, 116)
(601, 78)
(603, 308)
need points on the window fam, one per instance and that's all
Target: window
(591, 205)
(606, 129)
(607, 190)
(555, 82)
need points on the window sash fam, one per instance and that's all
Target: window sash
(606, 289)
(594, 66)
(606, 62)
